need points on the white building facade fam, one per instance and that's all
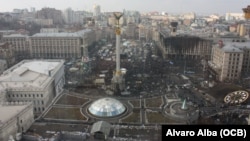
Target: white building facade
(36, 81)
(61, 45)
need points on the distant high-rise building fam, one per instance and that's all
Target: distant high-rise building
(97, 10)
(50, 13)
(32, 9)
(68, 15)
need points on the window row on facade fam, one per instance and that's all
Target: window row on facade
(26, 95)
(38, 109)
(35, 102)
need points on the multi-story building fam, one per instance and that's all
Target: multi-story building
(155, 35)
(97, 10)
(44, 22)
(20, 44)
(130, 30)
(61, 45)
(7, 53)
(36, 81)
(234, 16)
(17, 118)
(245, 46)
(68, 15)
(79, 16)
(243, 30)
(50, 14)
(228, 59)
(144, 32)
(185, 47)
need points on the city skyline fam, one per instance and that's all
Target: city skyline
(169, 6)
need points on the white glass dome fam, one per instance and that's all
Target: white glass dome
(106, 107)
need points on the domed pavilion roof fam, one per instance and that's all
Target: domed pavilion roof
(106, 107)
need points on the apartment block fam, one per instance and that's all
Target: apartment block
(230, 60)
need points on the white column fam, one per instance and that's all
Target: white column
(117, 54)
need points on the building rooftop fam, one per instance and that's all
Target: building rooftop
(15, 35)
(231, 48)
(236, 46)
(33, 74)
(101, 126)
(10, 111)
(7, 31)
(63, 34)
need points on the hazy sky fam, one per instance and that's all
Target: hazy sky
(169, 6)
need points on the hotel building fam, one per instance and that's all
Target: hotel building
(230, 60)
